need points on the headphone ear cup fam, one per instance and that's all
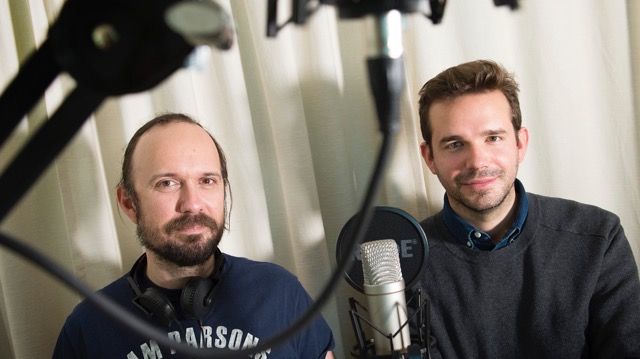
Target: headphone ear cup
(157, 305)
(196, 297)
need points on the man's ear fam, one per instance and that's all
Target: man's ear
(523, 143)
(127, 204)
(427, 154)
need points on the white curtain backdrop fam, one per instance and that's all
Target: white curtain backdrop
(295, 116)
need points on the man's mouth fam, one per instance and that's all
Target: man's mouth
(479, 183)
(192, 229)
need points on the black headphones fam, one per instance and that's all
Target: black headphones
(196, 298)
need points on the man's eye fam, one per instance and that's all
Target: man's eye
(166, 184)
(209, 180)
(494, 138)
(453, 145)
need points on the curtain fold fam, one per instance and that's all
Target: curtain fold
(295, 117)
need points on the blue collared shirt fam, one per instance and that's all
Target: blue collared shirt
(477, 239)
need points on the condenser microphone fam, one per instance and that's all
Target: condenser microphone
(384, 289)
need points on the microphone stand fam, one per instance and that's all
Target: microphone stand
(387, 81)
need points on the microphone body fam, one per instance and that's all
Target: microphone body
(384, 289)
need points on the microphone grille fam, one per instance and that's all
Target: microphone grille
(380, 262)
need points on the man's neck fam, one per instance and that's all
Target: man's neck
(171, 276)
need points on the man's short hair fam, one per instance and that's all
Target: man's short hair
(468, 78)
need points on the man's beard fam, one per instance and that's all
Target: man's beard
(184, 251)
(484, 201)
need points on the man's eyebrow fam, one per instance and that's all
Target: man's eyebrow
(450, 138)
(490, 132)
(498, 131)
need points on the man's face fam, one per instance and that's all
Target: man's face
(179, 209)
(474, 151)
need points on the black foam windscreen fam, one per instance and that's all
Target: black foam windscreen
(387, 223)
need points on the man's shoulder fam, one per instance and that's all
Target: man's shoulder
(244, 262)
(115, 290)
(551, 201)
(552, 206)
(571, 215)
(250, 268)
(253, 282)
(87, 315)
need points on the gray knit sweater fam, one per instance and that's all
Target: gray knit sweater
(567, 287)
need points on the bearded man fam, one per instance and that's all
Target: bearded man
(175, 188)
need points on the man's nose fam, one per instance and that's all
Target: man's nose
(191, 200)
(477, 156)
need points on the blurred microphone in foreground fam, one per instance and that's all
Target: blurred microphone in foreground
(201, 23)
